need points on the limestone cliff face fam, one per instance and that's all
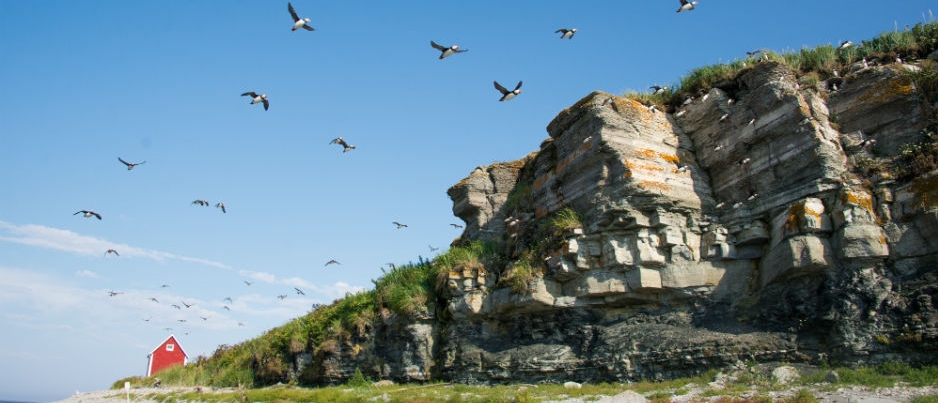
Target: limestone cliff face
(735, 228)
(731, 229)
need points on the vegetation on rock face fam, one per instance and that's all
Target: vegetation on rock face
(743, 386)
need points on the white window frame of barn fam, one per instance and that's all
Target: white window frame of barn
(170, 347)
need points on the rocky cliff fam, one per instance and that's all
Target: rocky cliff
(753, 222)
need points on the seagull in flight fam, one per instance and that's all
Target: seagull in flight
(201, 202)
(297, 21)
(456, 226)
(88, 213)
(299, 291)
(687, 5)
(256, 99)
(187, 305)
(111, 251)
(566, 33)
(346, 147)
(447, 51)
(333, 261)
(130, 165)
(221, 205)
(399, 225)
(508, 95)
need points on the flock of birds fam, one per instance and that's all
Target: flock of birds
(300, 23)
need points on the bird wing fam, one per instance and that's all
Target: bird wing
(251, 94)
(266, 104)
(501, 89)
(293, 12)
(96, 215)
(683, 2)
(437, 46)
(561, 30)
(79, 212)
(518, 87)
(461, 50)
(308, 28)
(125, 162)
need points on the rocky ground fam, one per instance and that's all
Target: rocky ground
(854, 394)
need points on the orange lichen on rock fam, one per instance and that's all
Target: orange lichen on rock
(652, 154)
(863, 200)
(883, 92)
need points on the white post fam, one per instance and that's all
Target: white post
(127, 388)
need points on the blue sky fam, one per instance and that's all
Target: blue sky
(86, 82)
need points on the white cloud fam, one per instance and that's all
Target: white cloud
(67, 241)
(86, 273)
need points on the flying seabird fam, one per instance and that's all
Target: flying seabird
(130, 165)
(111, 251)
(88, 213)
(181, 320)
(844, 45)
(255, 99)
(508, 95)
(346, 147)
(201, 202)
(457, 226)
(176, 306)
(687, 5)
(203, 318)
(226, 307)
(282, 296)
(297, 21)
(148, 319)
(248, 282)
(566, 33)
(399, 225)
(299, 291)
(154, 300)
(221, 205)
(227, 299)
(333, 261)
(447, 51)
(658, 89)
(187, 305)
(164, 286)
(113, 293)
(432, 249)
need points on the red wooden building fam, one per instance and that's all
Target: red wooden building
(167, 354)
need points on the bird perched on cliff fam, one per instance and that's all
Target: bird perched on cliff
(201, 202)
(752, 195)
(221, 205)
(130, 165)
(88, 213)
(447, 51)
(566, 33)
(744, 161)
(687, 5)
(346, 147)
(399, 225)
(111, 251)
(658, 90)
(297, 21)
(256, 99)
(508, 95)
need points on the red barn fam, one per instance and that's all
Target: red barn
(167, 354)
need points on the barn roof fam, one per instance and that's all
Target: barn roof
(173, 338)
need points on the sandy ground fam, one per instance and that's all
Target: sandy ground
(843, 395)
